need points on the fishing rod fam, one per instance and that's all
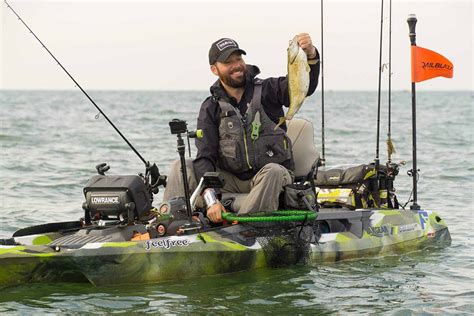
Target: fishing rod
(390, 147)
(323, 158)
(377, 161)
(147, 164)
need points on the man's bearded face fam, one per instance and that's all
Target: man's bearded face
(233, 72)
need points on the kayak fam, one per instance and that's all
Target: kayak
(104, 255)
(349, 212)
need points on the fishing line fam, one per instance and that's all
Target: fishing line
(79, 86)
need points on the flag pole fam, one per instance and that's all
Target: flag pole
(414, 171)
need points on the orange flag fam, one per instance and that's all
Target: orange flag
(426, 64)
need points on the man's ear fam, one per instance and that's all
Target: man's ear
(214, 70)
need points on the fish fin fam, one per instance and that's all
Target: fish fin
(280, 121)
(291, 60)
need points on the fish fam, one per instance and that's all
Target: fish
(298, 79)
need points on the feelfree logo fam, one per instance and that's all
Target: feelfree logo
(166, 243)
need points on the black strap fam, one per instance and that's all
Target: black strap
(256, 103)
(257, 95)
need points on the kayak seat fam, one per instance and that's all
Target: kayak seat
(301, 133)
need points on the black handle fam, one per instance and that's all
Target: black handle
(412, 25)
(102, 168)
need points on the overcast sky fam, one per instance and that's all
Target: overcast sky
(157, 45)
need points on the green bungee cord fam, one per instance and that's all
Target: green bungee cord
(276, 216)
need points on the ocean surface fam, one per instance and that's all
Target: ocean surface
(51, 141)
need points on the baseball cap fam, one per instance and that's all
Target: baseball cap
(222, 49)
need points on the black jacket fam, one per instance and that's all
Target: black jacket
(274, 96)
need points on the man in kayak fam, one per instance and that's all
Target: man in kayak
(240, 141)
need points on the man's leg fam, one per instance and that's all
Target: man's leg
(174, 185)
(234, 190)
(232, 184)
(266, 187)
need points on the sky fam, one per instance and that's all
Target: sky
(158, 45)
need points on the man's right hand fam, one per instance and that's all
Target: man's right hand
(214, 213)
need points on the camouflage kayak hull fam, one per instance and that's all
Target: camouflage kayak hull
(227, 250)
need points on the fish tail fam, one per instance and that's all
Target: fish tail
(280, 121)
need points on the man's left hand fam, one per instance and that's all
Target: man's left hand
(305, 42)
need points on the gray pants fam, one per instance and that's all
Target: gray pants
(262, 191)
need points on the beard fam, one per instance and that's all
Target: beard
(231, 82)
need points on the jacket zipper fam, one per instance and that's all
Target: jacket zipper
(246, 148)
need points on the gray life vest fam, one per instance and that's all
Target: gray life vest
(250, 142)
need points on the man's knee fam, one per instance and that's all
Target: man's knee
(175, 167)
(274, 169)
(174, 187)
(275, 172)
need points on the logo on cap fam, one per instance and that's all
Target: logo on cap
(225, 43)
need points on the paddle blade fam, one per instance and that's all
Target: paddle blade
(47, 228)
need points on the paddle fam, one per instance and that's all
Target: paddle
(47, 228)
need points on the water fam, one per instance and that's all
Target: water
(51, 141)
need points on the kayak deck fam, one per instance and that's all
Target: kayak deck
(342, 234)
